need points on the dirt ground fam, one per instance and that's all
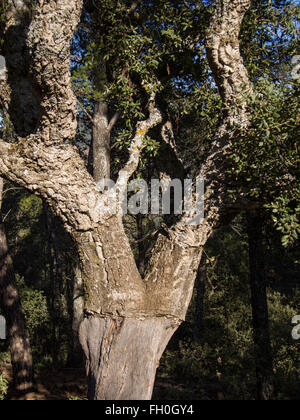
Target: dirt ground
(66, 384)
(71, 384)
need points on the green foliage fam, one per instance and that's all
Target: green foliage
(286, 217)
(46, 292)
(34, 304)
(224, 359)
(266, 161)
(270, 38)
(130, 53)
(3, 387)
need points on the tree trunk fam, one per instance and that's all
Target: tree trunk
(76, 359)
(52, 297)
(263, 352)
(141, 259)
(99, 158)
(199, 311)
(129, 319)
(99, 168)
(127, 326)
(20, 350)
(123, 355)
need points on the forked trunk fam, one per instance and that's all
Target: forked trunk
(123, 335)
(123, 355)
(129, 320)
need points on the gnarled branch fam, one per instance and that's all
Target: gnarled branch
(169, 283)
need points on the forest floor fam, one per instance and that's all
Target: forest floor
(66, 384)
(71, 384)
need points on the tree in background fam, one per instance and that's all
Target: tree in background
(261, 329)
(10, 304)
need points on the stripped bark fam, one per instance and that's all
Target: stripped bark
(124, 374)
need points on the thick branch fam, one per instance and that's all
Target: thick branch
(49, 38)
(37, 43)
(55, 173)
(168, 282)
(223, 53)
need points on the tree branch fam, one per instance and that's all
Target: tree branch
(113, 121)
(49, 38)
(169, 283)
(57, 174)
(142, 129)
(133, 6)
(85, 111)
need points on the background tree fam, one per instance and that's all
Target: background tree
(11, 307)
(10, 302)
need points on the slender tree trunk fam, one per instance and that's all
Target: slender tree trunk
(76, 359)
(199, 311)
(263, 352)
(15, 320)
(53, 285)
(99, 158)
(141, 244)
(99, 168)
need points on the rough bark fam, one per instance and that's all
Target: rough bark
(18, 96)
(99, 168)
(120, 306)
(10, 302)
(262, 341)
